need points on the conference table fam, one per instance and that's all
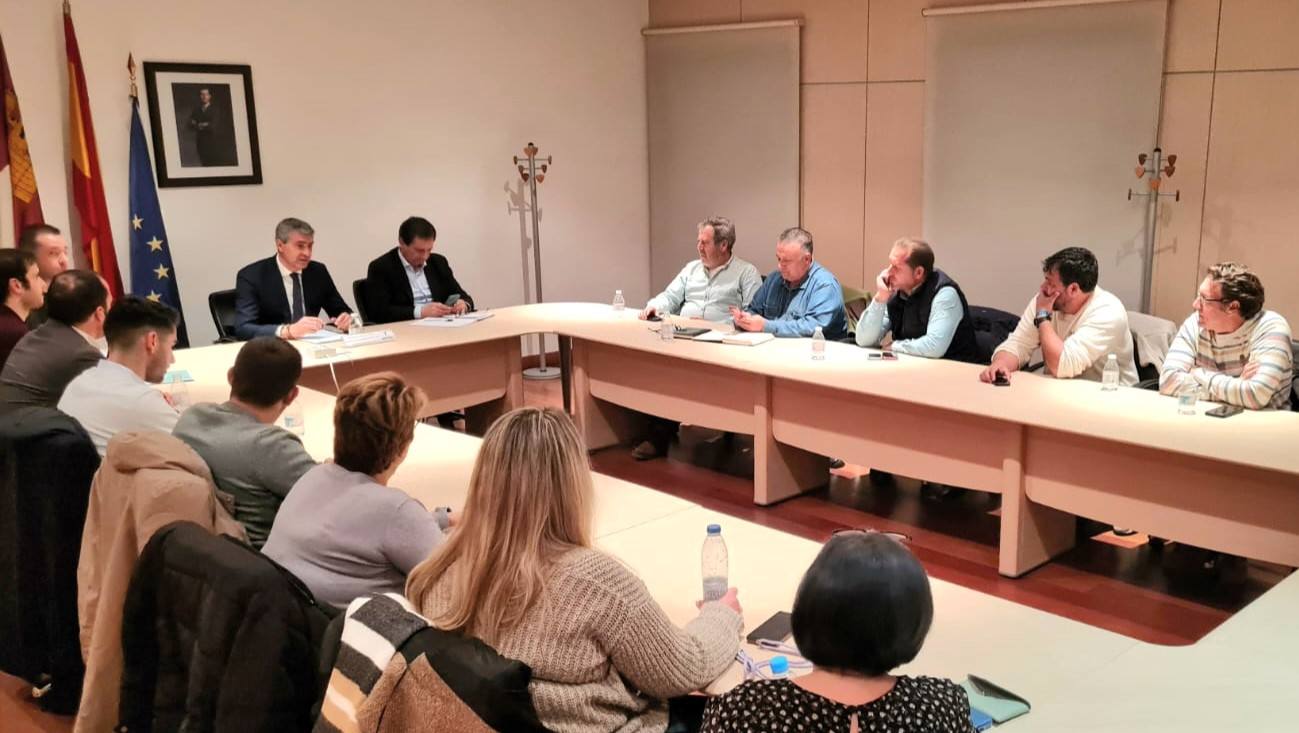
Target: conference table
(1078, 677)
(1053, 449)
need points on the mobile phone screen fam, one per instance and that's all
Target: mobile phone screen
(776, 628)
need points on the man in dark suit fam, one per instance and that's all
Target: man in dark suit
(410, 281)
(283, 295)
(70, 342)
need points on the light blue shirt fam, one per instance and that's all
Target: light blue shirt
(944, 317)
(697, 293)
(794, 311)
(419, 288)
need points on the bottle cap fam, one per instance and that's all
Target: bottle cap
(714, 529)
(779, 665)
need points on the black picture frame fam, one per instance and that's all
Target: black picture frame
(198, 140)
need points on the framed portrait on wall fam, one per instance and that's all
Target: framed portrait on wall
(204, 124)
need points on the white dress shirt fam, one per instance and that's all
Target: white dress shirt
(108, 399)
(419, 288)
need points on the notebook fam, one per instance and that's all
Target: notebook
(988, 701)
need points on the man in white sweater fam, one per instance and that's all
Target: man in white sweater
(118, 395)
(1075, 323)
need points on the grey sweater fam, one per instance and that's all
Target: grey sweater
(346, 536)
(254, 462)
(603, 653)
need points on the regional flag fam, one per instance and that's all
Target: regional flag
(152, 274)
(14, 153)
(87, 181)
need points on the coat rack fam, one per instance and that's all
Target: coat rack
(533, 173)
(1158, 169)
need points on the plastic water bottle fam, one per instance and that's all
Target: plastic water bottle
(779, 667)
(818, 345)
(618, 301)
(1110, 377)
(355, 326)
(714, 564)
(293, 419)
(1187, 396)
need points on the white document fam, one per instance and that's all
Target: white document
(454, 321)
(322, 337)
(746, 338)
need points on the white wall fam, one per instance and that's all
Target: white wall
(368, 113)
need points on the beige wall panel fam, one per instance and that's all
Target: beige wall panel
(1192, 35)
(665, 13)
(1259, 34)
(1253, 183)
(896, 42)
(833, 181)
(895, 145)
(1183, 131)
(834, 35)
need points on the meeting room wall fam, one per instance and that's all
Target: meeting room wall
(368, 113)
(1229, 110)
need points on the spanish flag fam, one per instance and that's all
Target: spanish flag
(87, 182)
(14, 154)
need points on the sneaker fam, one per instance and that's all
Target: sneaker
(646, 450)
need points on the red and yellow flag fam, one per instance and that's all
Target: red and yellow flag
(14, 154)
(87, 181)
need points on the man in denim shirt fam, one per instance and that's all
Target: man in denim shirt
(799, 296)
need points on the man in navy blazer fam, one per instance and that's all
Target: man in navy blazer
(410, 281)
(283, 295)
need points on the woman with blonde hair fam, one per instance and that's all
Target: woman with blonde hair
(341, 530)
(520, 573)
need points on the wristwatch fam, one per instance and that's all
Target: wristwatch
(1042, 315)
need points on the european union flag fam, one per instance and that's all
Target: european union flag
(152, 274)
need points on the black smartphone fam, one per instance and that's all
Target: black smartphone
(776, 628)
(1224, 411)
(654, 317)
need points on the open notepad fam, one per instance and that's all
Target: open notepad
(459, 321)
(737, 338)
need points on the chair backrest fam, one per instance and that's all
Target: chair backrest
(222, 305)
(47, 463)
(358, 294)
(213, 632)
(1294, 385)
(1147, 373)
(991, 327)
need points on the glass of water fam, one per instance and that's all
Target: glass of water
(666, 330)
(1186, 399)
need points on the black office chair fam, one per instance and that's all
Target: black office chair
(991, 327)
(358, 294)
(1294, 386)
(222, 305)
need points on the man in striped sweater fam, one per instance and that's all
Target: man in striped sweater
(1232, 349)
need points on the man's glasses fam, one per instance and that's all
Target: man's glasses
(898, 536)
(1201, 299)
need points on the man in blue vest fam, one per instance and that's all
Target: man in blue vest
(923, 308)
(925, 312)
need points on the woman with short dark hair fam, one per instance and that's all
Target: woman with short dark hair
(863, 609)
